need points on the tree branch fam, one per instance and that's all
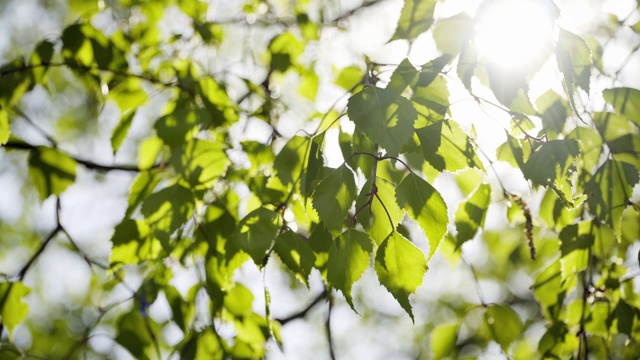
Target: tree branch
(302, 313)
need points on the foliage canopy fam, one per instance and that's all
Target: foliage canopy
(217, 118)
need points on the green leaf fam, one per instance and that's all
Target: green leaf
(201, 162)
(13, 309)
(290, 160)
(255, 233)
(179, 126)
(451, 34)
(149, 150)
(133, 334)
(314, 167)
(133, 242)
(574, 61)
(128, 94)
(142, 187)
(620, 135)
(239, 301)
(349, 77)
(554, 111)
(416, 18)
(334, 196)
(121, 129)
(216, 100)
(383, 215)
(431, 97)
(15, 81)
(446, 147)
(443, 340)
(348, 259)
(384, 116)
(609, 191)
(203, 346)
(404, 75)
(425, 205)
(285, 50)
(504, 323)
(308, 86)
(356, 143)
(168, 209)
(400, 266)
(591, 147)
(514, 151)
(549, 166)
(5, 130)
(294, 251)
(471, 213)
(51, 171)
(626, 101)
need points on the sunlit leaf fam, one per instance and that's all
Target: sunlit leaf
(400, 266)
(256, 232)
(133, 334)
(609, 191)
(574, 61)
(626, 101)
(443, 340)
(51, 171)
(620, 135)
(13, 307)
(381, 217)
(334, 196)
(416, 17)
(471, 213)
(294, 251)
(384, 116)
(348, 259)
(168, 209)
(452, 33)
(446, 147)
(349, 77)
(4, 127)
(425, 205)
(290, 160)
(504, 323)
(285, 50)
(201, 162)
(121, 129)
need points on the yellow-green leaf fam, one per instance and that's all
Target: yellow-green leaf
(400, 266)
(51, 171)
(348, 259)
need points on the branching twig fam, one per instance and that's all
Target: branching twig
(302, 313)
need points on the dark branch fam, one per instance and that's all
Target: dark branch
(86, 163)
(302, 313)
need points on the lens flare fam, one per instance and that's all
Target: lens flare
(513, 34)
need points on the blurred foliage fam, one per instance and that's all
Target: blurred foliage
(204, 198)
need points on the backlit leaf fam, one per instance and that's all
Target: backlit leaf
(294, 251)
(446, 147)
(168, 209)
(471, 213)
(255, 233)
(626, 101)
(574, 61)
(400, 266)
(14, 309)
(416, 17)
(452, 33)
(121, 129)
(334, 196)
(384, 116)
(51, 171)
(348, 259)
(425, 205)
(133, 334)
(504, 323)
(443, 340)
(201, 162)
(609, 191)
(4, 127)
(383, 215)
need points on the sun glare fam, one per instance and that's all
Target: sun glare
(511, 33)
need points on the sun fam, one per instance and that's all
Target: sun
(513, 34)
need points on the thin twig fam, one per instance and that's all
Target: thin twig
(302, 313)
